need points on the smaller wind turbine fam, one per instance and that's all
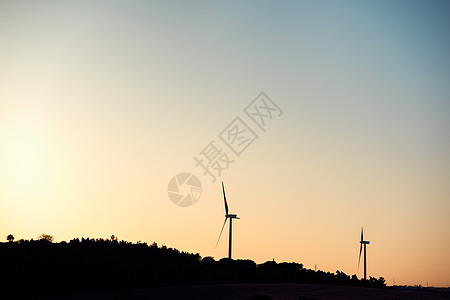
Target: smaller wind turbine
(227, 216)
(363, 242)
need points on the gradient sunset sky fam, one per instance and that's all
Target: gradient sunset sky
(103, 102)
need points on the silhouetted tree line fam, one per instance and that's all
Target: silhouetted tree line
(43, 268)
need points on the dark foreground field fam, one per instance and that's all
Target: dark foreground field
(274, 291)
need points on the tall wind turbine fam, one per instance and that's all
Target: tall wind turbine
(363, 242)
(227, 216)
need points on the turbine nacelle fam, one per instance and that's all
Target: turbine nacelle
(231, 216)
(365, 242)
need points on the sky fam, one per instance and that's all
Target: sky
(102, 103)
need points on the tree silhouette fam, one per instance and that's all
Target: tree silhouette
(46, 237)
(85, 265)
(10, 238)
(114, 239)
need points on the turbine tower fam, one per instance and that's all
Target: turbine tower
(227, 216)
(363, 242)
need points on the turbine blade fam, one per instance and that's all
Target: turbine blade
(225, 199)
(223, 226)
(359, 260)
(362, 234)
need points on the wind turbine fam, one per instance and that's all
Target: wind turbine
(363, 242)
(227, 216)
